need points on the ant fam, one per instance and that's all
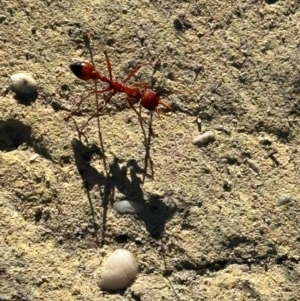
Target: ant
(149, 99)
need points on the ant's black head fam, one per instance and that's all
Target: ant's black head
(76, 68)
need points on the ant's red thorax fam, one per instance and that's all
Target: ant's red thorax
(150, 100)
(116, 86)
(132, 92)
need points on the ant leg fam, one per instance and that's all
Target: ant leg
(99, 130)
(78, 105)
(136, 111)
(109, 68)
(77, 128)
(79, 132)
(98, 111)
(142, 126)
(70, 116)
(147, 147)
(165, 104)
(142, 85)
(132, 73)
(105, 102)
(88, 45)
(150, 134)
(147, 151)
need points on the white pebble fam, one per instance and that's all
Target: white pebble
(119, 271)
(33, 157)
(126, 206)
(204, 138)
(253, 165)
(23, 83)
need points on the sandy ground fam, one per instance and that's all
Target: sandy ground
(221, 222)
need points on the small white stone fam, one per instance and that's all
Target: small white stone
(119, 271)
(253, 165)
(23, 83)
(33, 157)
(283, 199)
(204, 138)
(126, 206)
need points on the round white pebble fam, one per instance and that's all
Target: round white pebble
(126, 206)
(23, 83)
(119, 271)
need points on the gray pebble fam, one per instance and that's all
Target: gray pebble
(126, 206)
(283, 199)
(253, 165)
(204, 138)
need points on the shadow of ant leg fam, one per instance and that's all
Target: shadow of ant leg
(147, 140)
(79, 132)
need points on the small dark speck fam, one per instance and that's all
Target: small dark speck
(64, 87)
(110, 42)
(178, 25)
(171, 76)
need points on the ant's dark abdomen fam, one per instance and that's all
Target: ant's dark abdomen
(83, 70)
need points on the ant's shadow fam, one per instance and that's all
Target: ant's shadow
(83, 155)
(91, 177)
(155, 214)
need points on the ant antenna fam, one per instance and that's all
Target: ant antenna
(87, 42)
